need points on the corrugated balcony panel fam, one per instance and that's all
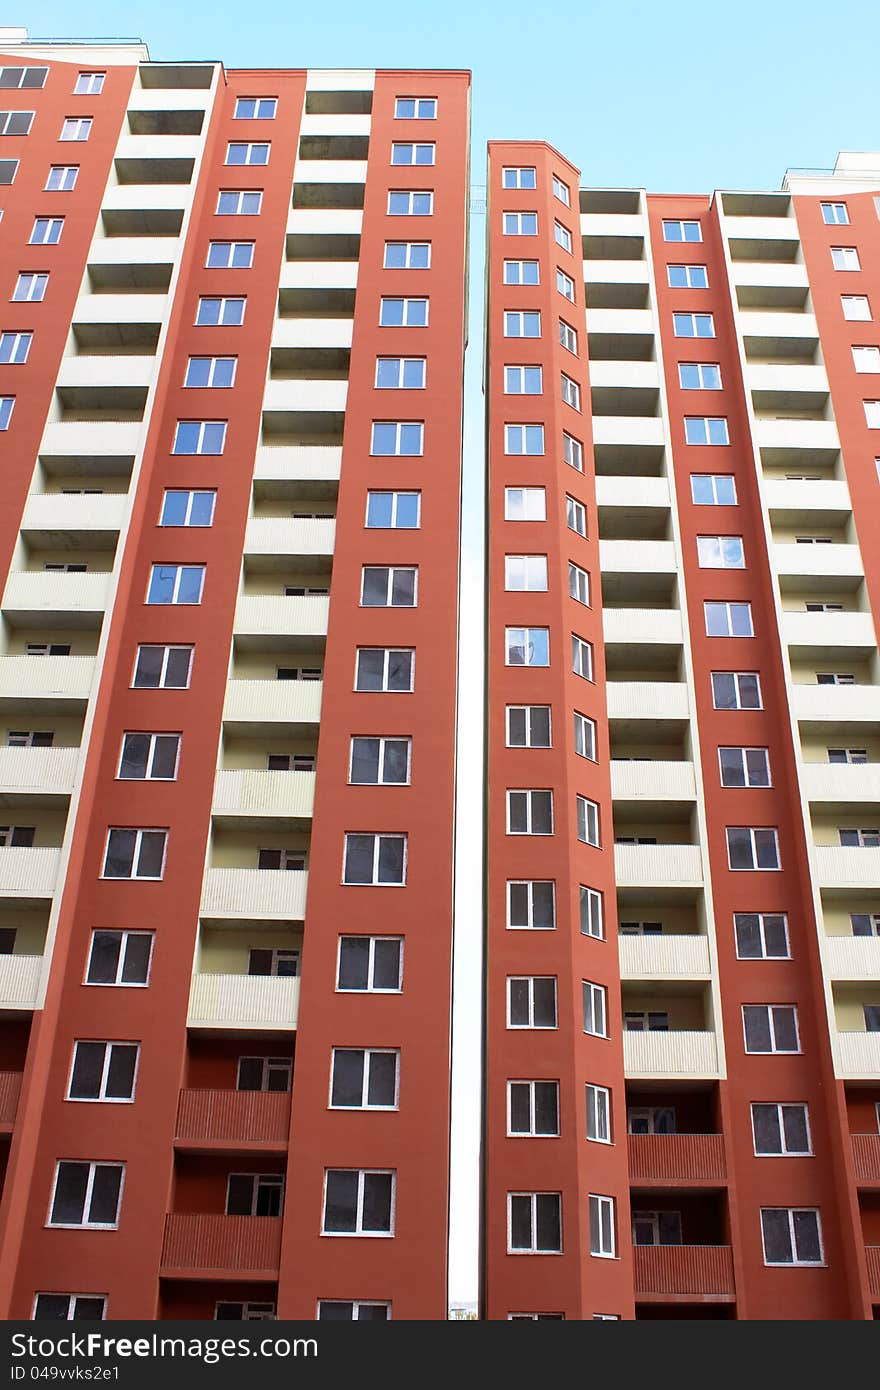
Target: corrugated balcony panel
(652, 780)
(836, 561)
(280, 535)
(872, 1256)
(10, 1089)
(656, 626)
(637, 557)
(244, 792)
(251, 893)
(627, 492)
(788, 275)
(223, 1246)
(817, 630)
(243, 1001)
(858, 1056)
(46, 677)
(312, 171)
(315, 275)
(105, 370)
(271, 615)
(841, 781)
(852, 957)
(300, 394)
(847, 866)
(347, 123)
(797, 434)
(630, 431)
(672, 1054)
(271, 702)
(807, 495)
(91, 438)
(656, 865)
(668, 1270)
(647, 700)
(866, 1157)
(298, 463)
(676, 1158)
(664, 957)
(857, 703)
(19, 979)
(40, 771)
(233, 1118)
(27, 873)
(325, 221)
(305, 331)
(49, 517)
(77, 599)
(119, 308)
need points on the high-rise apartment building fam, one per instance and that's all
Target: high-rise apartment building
(231, 361)
(683, 947)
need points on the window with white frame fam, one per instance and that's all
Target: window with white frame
(780, 1129)
(587, 820)
(254, 1194)
(187, 507)
(8, 171)
(76, 128)
(239, 202)
(598, 1113)
(845, 258)
(400, 373)
(533, 1108)
(834, 214)
(584, 736)
(398, 437)
(872, 414)
(713, 489)
(529, 812)
(358, 1202)
(791, 1236)
(247, 152)
(856, 307)
(162, 668)
(866, 359)
(407, 255)
(561, 191)
(220, 311)
(562, 236)
(210, 372)
(770, 1028)
(524, 439)
(865, 923)
(353, 1310)
(677, 230)
(410, 202)
(521, 273)
(412, 152)
(761, 935)
(89, 84)
(578, 583)
(134, 853)
(70, 1307)
(46, 231)
(699, 376)
(744, 767)
(199, 437)
(62, 178)
(14, 348)
(728, 619)
(523, 381)
(531, 1001)
(30, 287)
(389, 586)
(687, 277)
(393, 511)
(370, 965)
(380, 761)
(534, 1223)
(595, 1009)
(415, 108)
(526, 572)
(385, 668)
(650, 1119)
(751, 847)
(736, 690)
(525, 504)
(860, 838)
(693, 325)
(255, 108)
(706, 429)
(519, 178)
(364, 1078)
(568, 337)
(403, 313)
(590, 912)
(22, 77)
(572, 452)
(375, 860)
(528, 726)
(272, 1074)
(565, 285)
(86, 1194)
(720, 552)
(179, 584)
(103, 1071)
(527, 646)
(581, 657)
(531, 904)
(602, 1233)
(149, 757)
(520, 223)
(575, 515)
(522, 323)
(571, 392)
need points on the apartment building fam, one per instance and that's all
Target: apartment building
(683, 881)
(231, 365)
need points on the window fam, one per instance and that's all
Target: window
(650, 1119)
(866, 359)
(119, 958)
(26, 77)
(791, 1236)
(687, 277)
(530, 812)
(17, 836)
(151, 757)
(699, 376)
(62, 178)
(400, 373)
(397, 437)
(213, 312)
(848, 755)
(355, 1310)
(561, 191)
(385, 668)
(358, 1202)
(103, 1071)
(856, 307)
(568, 337)
(713, 489)
(29, 738)
(46, 231)
(89, 84)
(239, 202)
(565, 285)
(720, 552)
(598, 1113)
(571, 392)
(562, 236)
(247, 1311)
(406, 153)
(135, 853)
(865, 923)
(584, 736)
(834, 214)
(770, 1028)
(693, 325)
(407, 255)
(403, 313)
(254, 1194)
(750, 848)
(534, 1223)
(860, 839)
(528, 726)
(872, 414)
(780, 1129)
(165, 668)
(16, 122)
(845, 258)
(86, 1194)
(527, 646)
(264, 1074)
(388, 586)
(522, 323)
(575, 516)
(595, 1010)
(872, 1017)
(682, 231)
(199, 437)
(705, 429)
(255, 108)
(186, 508)
(410, 202)
(531, 1001)
(524, 439)
(519, 178)
(736, 690)
(370, 964)
(591, 914)
(14, 348)
(210, 371)
(415, 108)
(744, 767)
(364, 1078)
(30, 287)
(531, 904)
(527, 572)
(640, 928)
(645, 1021)
(380, 761)
(578, 584)
(521, 273)
(602, 1226)
(375, 860)
(69, 1307)
(393, 510)
(8, 171)
(728, 619)
(525, 504)
(533, 1108)
(761, 935)
(178, 584)
(835, 678)
(581, 657)
(76, 128)
(47, 649)
(572, 452)
(523, 381)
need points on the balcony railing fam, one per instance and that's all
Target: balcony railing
(658, 865)
(647, 699)
(663, 957)
(243, 1001)
(231, 1119)
(848, 866)
(46, 772)
(652, 780)
(244, 792)
(272, 702)
(872, 1255)
(858, 1055)
(10, 1089)
(845, 782)
(248, 893)
(19, 981)
(671, 1270)
(225, 1246)
(28, 874)
(269, 615)
(678, 1053)
(676, 1158)
(866, 1157)
(852, 957)
(46, 677)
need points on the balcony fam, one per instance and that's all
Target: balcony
(284, 538)
(10, 1089)
(631, 493)
(857, 1055)
(803, 497)
(847, 866)
(232, 1121)
(852, 957)
(88, 373)
(322, 274)
(824, 632)
(275, 618)
(651, 700)
(841, 782)
(664, 957)
(866, 1159)
(19, 979)
(131, 197)
(307, 330)
(631, 434)
(47, 598)
(49, 684)
(244, 1002)
(658, 866)
(123, 310)
(677, 1054)
(651, 626)
(325, 222)
(334, 123)
(53, 521)
(297, 395)
(667, 1273)
(787, 441)
(838, 703)
(676, 1160)
(273, 894)
(652, 780)
(198, 1246)
(255, 795)
(45, 775)
(297, 470)
(822, 561)
(636, 557)
(251, 705)
(27, 876)
(773, 274)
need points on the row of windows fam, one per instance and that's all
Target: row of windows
(388, 669)
(526, 178)
(382, 586)
(77, 128)
(89, 1307)
(530, 503)
(85, 84)
(526, 224)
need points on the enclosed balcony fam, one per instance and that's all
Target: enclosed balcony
(297, 473)
(270, 707)
(29, 865)
(260, 797)
(667, 1031)
(55, 521)
(674, 1137)
(40, 598)
(36, 776)
(678, 1247)
(857, 1041)
(44, 685)
(266, 618)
